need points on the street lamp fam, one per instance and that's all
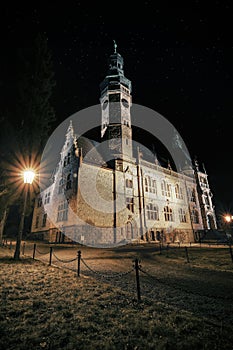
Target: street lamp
(28, 177)
(228, 218)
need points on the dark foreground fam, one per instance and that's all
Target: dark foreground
(184, 305)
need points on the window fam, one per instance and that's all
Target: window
(150, 185)
(37, 221)
(60, 186)
(195, 216)
(130, 203)
(39, 202)
(47, 198)
(152, 212)
(68, 158)
(44, 220)
(166, 189)
(179, 192)
(68, 182)
(192, 195)
(62, 213)
(182, 215)
(129, 183)
(206, 199)
(168, 214)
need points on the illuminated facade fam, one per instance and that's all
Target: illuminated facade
(149, 202)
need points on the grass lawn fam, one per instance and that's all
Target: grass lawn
(184, 306)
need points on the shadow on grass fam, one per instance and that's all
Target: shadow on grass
(11, 260)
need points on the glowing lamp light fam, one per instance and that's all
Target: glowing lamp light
(228, 218)
(28, 176)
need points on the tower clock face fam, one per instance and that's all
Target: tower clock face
(115, 133)
(105, 104)
(125, 102)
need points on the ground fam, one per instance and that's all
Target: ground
(184, 305)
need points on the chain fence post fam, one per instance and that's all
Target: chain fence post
(50, 255)
(187, 254)
(160, 248)
(167, 249)
(23, 249)
(34, 251)
(231, 253)
(79, 262)
(136, 266)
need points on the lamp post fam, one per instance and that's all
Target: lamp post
(228, 224)
(28, 176)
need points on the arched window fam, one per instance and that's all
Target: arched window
(163, 187)
(192, 195)
(152, 212)
(47, 198)
(39, 202)
(194, 216)
(130, 203)
(68, 158)
(150, 185)
(206, 198)
(62, 212)
(69, 182)
(166, 189)
(60, 186)
(168, 215)
(37, 221)
(44, 220)
(129, 183)
(193, 198)
(178, 192)
(182, 215)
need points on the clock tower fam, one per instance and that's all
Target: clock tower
(115, 102)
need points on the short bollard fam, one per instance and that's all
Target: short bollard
(187, 254)
(10, 245)
(136, 266)
(231, 253)
(23, 249)
(34, 251)
(160, 248)
(50, 255)
(167, 250)
(79, 261)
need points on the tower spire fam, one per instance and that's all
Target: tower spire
(115, 46)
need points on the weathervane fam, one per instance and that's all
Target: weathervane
(115, 46)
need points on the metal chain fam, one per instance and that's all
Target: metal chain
(42, 253)
(64, 261)
(117, 274)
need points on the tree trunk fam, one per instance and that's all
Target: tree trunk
(2, 225)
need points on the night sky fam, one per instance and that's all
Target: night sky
(179, 59)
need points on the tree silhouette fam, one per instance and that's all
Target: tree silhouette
(26, 116)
